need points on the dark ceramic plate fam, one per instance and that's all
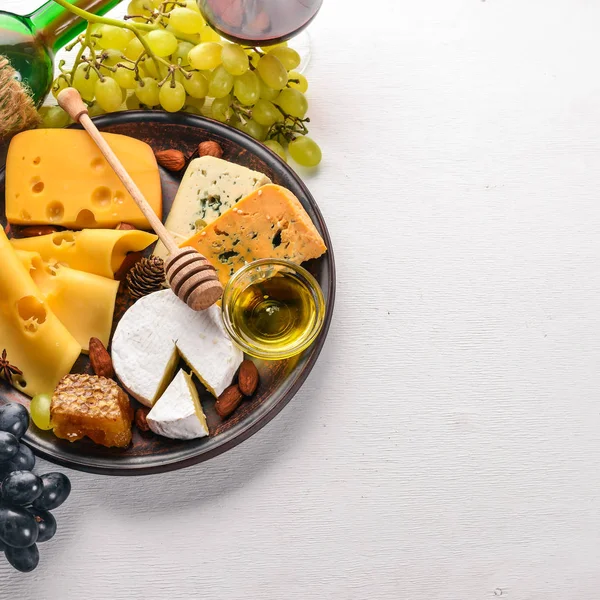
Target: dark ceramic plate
(279, 380)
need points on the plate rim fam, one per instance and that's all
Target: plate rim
(212, 127)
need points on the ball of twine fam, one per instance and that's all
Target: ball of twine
(17, 109)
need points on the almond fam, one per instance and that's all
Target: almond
(210, 149)
(140, 419)
(173, 160)
(130, 259)
(228, 401)
(37, 230)
(100, 359)
(248, 378)
(125, 227)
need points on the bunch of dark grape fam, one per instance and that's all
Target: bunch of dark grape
(25, 498)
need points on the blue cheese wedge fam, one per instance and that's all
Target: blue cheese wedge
(159, 329)
(210, 187)
(178, 414)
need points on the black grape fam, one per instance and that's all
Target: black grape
(23, 559)
(56, 489)
(46, 524)
(21, 488)
(9, 446)
(24, 460)
(18, 528)
(14, 419)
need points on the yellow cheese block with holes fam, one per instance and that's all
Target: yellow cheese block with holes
(84, 303)
(35, 340)
(59, 177)
(98, 251)
(268, 223)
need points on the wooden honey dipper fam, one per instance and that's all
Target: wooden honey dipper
(189, 274)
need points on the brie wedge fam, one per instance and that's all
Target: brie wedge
(178, 414)
(210, 187)
(160, 328)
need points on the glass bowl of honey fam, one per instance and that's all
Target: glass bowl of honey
(273, 309)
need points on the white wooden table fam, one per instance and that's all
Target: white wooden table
(447, 444)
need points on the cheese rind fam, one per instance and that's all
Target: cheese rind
(84, 303)
(35, 340)
(59, 176)
(97, 251)
(178, 414)
(268, 223)
(210, 187)
(155, 331)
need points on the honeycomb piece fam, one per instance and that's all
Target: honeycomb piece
(96, 407)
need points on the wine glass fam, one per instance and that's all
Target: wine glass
(261, 22)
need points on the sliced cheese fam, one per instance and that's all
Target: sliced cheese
(58, 176)
(210, 187)
(84, 303)
(269, 223)
(34, 339)
(178, 413)
(98, 251)
(158, 329)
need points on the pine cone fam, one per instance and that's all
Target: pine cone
(145, 277)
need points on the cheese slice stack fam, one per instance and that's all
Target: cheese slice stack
(178, 414)
(59, 176)
(159, 329)
(269, 223)
(98, 251)
(35, 340)
(210, 187)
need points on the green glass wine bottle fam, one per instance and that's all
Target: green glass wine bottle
(30, 41)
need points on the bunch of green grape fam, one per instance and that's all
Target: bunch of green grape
(179, 63)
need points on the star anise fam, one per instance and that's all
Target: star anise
(8, 370)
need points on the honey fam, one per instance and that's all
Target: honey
(273, 310)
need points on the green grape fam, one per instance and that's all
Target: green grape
(179, 76)
(150, 67)
(94, 109)
(125, 78)
(276, 147)
(266, 113)
(108, 94)
(293, 102)
(272, 71)
(192, 5)
(110, 58)
(132, 102)
(221, 108)
(266, 92)
(134, 49)
(39, 409)
(162, 43)
(54, 117)
(246, 88)
(274, 47)
(301, 85)
(172, 96)
(289, 58)
(253, 129)
(208, 34)
(113, 37)
(220, 83)
(147, 91)
(234, 59)
(186, 20)
(197, 85)
(194, 105)
(84, 81)
(254, 57)
(305, 151)
(205, 56)
(60, 83)
(180, 56)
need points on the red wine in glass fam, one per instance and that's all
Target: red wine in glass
(259, 22)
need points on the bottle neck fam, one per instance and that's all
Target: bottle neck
(57, 26)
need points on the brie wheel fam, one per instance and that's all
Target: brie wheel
(178, 414)
(156, 331)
